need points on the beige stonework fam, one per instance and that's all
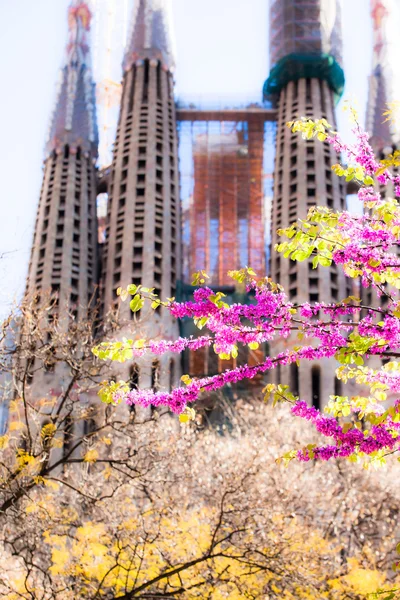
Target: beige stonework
(303, 178)
(143, 223)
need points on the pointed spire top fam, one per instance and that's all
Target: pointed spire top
(79, 19)
(382, 134)
(151, 34)
(74, 118)
(379, 14)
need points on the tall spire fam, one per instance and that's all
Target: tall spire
(74, 116)
(305, 42)
(150, 36)
(305, 80)
(379, 91)
(142, 245)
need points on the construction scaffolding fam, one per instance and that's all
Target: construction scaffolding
(226, 166)
(380, 93)
(225, 192)
(305, 42)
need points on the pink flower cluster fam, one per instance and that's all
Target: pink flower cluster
(366, 244)
(347, 442)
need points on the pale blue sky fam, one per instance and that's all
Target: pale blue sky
(222, 53)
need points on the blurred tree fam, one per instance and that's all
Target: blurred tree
(98, 504)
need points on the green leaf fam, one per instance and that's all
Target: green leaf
(325, 262)
(254, 345)
(200, 323)
(136, 303)
(315, 262)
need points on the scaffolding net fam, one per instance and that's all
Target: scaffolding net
(226, 190)
(226, 193)
(305, 41)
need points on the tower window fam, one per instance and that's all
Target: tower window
(338, 387)
(134, 377)
(316, 386)
(294, 379)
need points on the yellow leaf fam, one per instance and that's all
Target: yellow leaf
(14, 405)
(51, 484)
(254, 345)
(16, 426)
(57, 443)
(188, 415)
(91, 456)
(48, 430)
(107, 473)
(4, 441)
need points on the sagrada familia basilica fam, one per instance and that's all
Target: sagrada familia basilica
(160, 227)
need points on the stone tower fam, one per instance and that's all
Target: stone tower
(305, 80)
(379, 93)
(64, 251)
(381, 130)
(142, 243)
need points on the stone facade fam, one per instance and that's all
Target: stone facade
(303, 178)
(64, 255)
(142, 230)
(143, 223)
